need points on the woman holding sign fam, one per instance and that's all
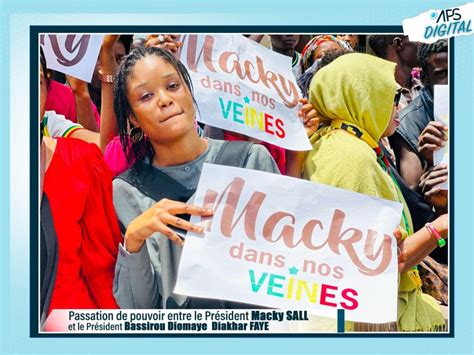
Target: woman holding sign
(354, 98)
(153, 96)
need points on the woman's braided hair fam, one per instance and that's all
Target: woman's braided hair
(138, 151)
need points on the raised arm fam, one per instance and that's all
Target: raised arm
(109, 67)
(84, 112)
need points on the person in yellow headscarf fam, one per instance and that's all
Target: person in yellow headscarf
(354, 98)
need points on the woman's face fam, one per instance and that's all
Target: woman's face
(161, 102)
(393, 124)
(324, 47)
(43, 92)
(353, 40)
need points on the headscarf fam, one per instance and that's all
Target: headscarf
(356, 89)
(354, 98)
(307, 56)
(309, 65)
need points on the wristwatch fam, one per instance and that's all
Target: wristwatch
(106, 78)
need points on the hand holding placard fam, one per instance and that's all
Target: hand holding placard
(169, 42)
(433, 138)
(318, 255)
(161, 218)
(309, 116)
(431, 185)
(75, 55)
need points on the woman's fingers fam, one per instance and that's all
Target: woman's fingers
(168, 42)
(401, 254)
(166, 211)
(172, 235)
(172, 47)
(181, 223)
(162, 215)
(177, 207)
(167, 46)
(153, 42)
(307, 107)
(180, 208)
(312, 115)
(162, 37)
(303, 100)
(309, 115)
(398, 235)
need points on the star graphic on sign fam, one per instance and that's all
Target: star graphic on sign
(246, 100)
(293, 270)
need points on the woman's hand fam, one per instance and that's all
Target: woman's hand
(295, 159)
(441, 224)
(108, 41)
(402, 254)
(108, 65)
(309, 117)
(78, 86)
(107, 61)
(84, 113)
(158, 219)
(170, 42)
(413, 249)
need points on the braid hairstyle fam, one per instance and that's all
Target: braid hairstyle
(137, 152)
(427, 49)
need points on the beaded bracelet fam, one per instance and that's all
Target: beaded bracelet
(434, 232)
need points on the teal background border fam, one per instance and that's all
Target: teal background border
(34, 64)
(14, 157)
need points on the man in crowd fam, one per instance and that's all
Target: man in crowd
(417, 119)
(400, 50)
(286, 44)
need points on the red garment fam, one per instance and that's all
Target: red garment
(278, 153)
(79, 188)
(61, 99)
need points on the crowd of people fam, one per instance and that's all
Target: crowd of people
(367, 107)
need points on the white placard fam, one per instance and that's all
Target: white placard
(72, 54)
(441, 114)
(244, 87)
(288, 243)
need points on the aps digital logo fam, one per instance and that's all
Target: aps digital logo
(447, 22)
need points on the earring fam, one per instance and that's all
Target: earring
(136, 135)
